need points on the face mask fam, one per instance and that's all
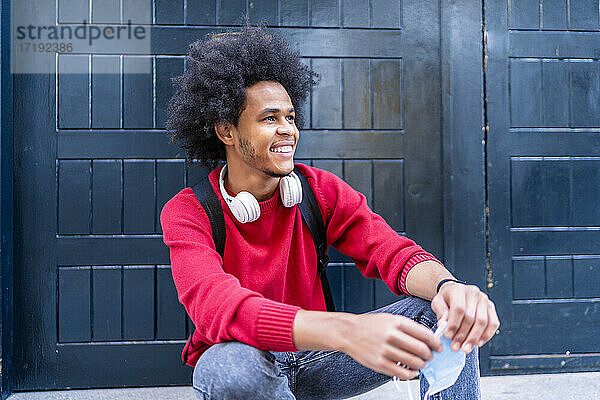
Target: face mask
(444, 369)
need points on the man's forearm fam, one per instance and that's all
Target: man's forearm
(423, 278)
(319, 330)
(376, 340)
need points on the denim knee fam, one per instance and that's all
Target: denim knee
(235, 370)
(415, 308)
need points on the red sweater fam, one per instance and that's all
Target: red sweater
(269, 268)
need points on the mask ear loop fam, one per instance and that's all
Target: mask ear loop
(396, 380)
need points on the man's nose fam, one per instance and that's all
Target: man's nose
(285, 129)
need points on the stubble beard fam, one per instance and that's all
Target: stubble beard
(249, 154)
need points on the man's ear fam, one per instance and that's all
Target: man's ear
(223, 130)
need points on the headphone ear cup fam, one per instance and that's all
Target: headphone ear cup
(298, 188)
(291, 190)
(245, 207)
(285, 192)
(238, 210)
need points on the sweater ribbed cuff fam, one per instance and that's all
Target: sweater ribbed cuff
(414, 260)
(274, 327)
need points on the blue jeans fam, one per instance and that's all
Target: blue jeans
(234, 370)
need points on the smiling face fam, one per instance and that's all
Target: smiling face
(266, 136)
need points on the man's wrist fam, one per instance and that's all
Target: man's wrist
(443, 281)
(344, 327)
(318, 330)
(422, 279)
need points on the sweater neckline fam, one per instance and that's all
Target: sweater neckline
(271, 203)
(265, 206)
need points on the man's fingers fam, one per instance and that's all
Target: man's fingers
(455, 315)
(439, 307)
(406, 358)
(479, 325)
(411, 345)
(422, 334)
(391, 368)
(493, 324)
(465, 324)
(471, 316)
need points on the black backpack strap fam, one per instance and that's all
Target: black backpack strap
(212, 206)
(309, 208)
(207, 197)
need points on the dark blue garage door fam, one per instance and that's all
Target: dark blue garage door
(543, 93)
(94, 300)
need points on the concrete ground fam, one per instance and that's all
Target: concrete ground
(565, 386)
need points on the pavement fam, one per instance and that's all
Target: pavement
(563, 386)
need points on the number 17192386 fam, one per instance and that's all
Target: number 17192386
(27, 47)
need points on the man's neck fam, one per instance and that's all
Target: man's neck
(261, 186)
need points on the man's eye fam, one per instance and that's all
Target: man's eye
(291, 117)
(270, 118)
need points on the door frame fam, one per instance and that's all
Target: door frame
(464, 141)
(6, 202)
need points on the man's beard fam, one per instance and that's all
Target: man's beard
(249, 154)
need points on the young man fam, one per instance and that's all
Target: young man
(262, 330)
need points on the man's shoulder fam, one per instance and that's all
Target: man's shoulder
(327, 187)
(186, 199)
(182, 203)
(315, 174)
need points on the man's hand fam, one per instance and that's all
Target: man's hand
(471, 315)
(376, 340)
(380, 340)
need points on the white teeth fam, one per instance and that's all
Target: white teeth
(282, 149)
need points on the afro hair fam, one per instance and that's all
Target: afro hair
(212, 90)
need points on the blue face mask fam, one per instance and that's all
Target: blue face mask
(444, 369)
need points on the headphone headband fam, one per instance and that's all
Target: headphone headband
(245, 207)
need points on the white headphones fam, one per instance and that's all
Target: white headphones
(244, 206)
